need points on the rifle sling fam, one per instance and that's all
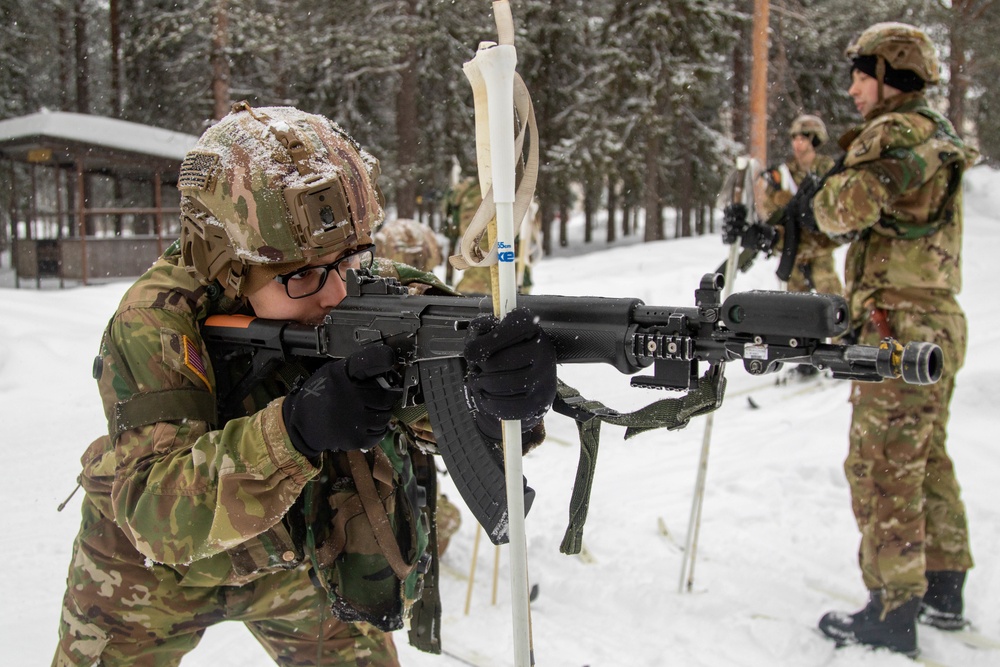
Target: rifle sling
(669, 413)
(364, 480)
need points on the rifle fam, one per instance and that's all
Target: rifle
(764, 329)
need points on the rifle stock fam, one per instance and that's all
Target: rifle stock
(763, 329)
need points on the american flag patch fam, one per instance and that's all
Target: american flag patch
(192, 359)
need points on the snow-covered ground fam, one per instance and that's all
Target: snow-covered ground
(778, 542)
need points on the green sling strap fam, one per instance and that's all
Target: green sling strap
(669, 413)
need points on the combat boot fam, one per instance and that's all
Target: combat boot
(942, 605)
(897, 632)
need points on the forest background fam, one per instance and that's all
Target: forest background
(641, 105)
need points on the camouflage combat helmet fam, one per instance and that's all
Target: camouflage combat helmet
(900, 46)
(812, 127)
(410, 242)
(267, 190)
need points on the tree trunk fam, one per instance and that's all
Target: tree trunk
(546, 208)
(406, 129)
(589, 205)
(686, 191)
(80, 53)
(563, 217)
(739, 99)
(651, 191)
(65, 59)
(612, 204)
(959, 82)
(115, 31)
(220, 60)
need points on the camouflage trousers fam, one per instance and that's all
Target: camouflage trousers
(118, 610)
(820, 271)
(905, 496)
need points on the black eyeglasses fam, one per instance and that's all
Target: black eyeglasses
(309, 280)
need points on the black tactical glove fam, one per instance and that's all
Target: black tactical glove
(734, 223)
(799, 211)
(760, 237)
(512, 371)
(345, 405)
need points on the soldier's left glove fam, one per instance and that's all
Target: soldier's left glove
(734, 223)
(512, 371)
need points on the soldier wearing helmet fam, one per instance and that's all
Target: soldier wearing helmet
(205, 502)
(814, 266)
(898, 196)
(409, 242)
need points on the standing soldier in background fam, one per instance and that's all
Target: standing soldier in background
(462, 203)
(814, 266)
(409, 242)
(460, 208)
(899, 194)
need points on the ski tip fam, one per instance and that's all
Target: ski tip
(753, 404)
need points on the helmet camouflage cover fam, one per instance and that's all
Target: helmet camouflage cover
(902, 46)
(810, 126)
(410, 242)
(274, 187)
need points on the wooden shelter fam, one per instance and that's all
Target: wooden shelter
(88, 196)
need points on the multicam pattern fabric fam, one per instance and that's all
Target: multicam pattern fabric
(904, 47)
(462, 204)
(185, 526)
(461, 207)
(409, 242)
(890, 184)
(814, 265)
(273, 187)
(905, 495)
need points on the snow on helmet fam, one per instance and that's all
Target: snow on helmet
(273, 187)
(810, 126)
(901, 46)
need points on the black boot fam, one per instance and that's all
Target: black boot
(942, 605)
(897, 632)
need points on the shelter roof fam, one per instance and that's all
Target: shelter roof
(60, 138)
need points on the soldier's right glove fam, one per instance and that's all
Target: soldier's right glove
(345, 405)
(512, 371)
(760, 237)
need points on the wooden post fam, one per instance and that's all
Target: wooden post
(59, 219)
(758, 82)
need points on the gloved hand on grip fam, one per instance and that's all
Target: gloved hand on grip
(345, 405)
(512, 371)
(799, 211)
(761, 237)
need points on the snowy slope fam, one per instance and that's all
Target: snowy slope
(777, 545)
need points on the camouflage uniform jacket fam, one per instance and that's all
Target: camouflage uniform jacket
(176, 487)
(220, 506)
(899, 196)
(811, 244)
